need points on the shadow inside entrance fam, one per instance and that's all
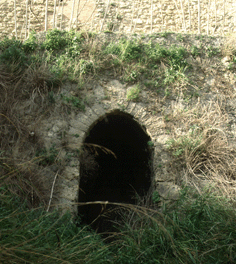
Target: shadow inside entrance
(115, 167)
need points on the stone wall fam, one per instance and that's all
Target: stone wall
(178, 16)
(136, 16)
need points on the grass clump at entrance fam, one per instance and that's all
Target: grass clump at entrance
(34, 236)
(198, 229)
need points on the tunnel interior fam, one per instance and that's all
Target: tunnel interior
(115, 166)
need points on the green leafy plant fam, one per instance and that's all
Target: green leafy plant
(133, 94)
(211, 51)
(85, 66)
(150, 143)
(75, 101)
(180, 37)
(30, 44)
(55, 40)
(180, 145)
(126, 50)
(194, 50)
(13, 53)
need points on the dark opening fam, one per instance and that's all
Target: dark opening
(115, 167)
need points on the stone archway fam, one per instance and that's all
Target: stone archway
(115, 165)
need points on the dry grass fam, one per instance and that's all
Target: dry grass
(229, 46)
(18, 168)
(199, 139)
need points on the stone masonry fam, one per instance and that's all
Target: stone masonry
(136, 16)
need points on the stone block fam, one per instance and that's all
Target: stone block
(168, 190)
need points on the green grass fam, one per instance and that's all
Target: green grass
(76, 56)
(198, 229)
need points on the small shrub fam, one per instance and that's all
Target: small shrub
(55, 40)
(30, 44)
(6, 43)
(14, 54)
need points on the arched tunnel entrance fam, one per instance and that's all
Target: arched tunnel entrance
(115, 166)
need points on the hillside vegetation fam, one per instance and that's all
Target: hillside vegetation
(200, 227)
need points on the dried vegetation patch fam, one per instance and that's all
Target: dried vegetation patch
(198, 139)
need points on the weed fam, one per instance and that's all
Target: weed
(174, 57)
(43, 237)
(156, 197)
(182, 144)
(198, 228)
(75, 101)
(132, 77)
(13, 54)
(211, 51)
(167, 91)
(47, 156)
(167, 118)
(150, 143)
(194, 50)
(7, 43)
(180, 37)
(55, 40)
(85, 66)
(110, 26)
(119, 17)
(30, 44)
(133, 94)
(74, 50)
(126, 50)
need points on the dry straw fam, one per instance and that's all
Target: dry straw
(200, 137)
